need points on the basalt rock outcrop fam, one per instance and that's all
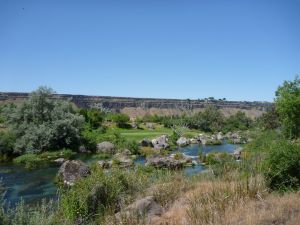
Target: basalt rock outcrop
(119, 103)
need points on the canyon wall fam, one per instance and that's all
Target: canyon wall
(141, 106)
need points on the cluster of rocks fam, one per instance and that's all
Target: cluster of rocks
(156, 143)
(214, 139)
(122, 160)
(169, 162)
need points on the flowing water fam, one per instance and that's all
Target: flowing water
(33, 185)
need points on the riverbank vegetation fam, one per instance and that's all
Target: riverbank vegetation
(258, 184)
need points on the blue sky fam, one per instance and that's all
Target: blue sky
(240, 50)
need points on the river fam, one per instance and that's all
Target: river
(34, 185)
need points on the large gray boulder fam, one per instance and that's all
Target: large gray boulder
(106, 147)
(160, 142)
(146, 208)
(182, 141)
(123, 159)
(71, 171)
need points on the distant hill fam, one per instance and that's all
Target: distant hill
(141, 106)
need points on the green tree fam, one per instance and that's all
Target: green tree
(238, 121)
(93, 117)
(269, 120)
(120, 119)
(44, 122)
(287, 105)
(210, 120)
(283, 166)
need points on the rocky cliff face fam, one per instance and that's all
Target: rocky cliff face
(145, 104)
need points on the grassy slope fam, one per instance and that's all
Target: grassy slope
(218, 202)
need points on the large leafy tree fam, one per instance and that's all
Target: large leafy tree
(210, 120)
(287, 104)
(44, 122)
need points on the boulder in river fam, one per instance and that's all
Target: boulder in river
(167, 162)
(123, 159)
(182, 141)
(106, 147)
(72, 170)
(59, 161)
(193, 141)
(160, 142)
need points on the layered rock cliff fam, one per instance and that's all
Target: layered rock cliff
(145, 105)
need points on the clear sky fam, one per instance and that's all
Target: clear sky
(240, 50)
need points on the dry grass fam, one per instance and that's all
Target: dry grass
(233, 203)
(140, 112)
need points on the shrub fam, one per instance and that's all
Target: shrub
(174, 137)
(239, 121)
(90, 137)
(7, 140)
(101, 192)
(132, 146)
(93, 117)
(64, 153)
(178, 156)
(287, 105)
(42, 122)
(120, 119)
(30, 160)
(283, 166)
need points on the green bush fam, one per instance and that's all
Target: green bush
(30, 160)
(178, 156)
(7, 140)
(239, 121)
(120, 119)
(42, 122)
(174, 137)
(93, 117)
(132, 146)
(101, 192)
(90, 137)
(287, 105)
(282, 169)
(50, 155)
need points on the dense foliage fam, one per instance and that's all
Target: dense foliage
(288, 107)
(210, 119)
(283, 166)
(120, 119)
(269, 120)
(43, 122)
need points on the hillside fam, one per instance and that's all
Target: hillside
(140, 106)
